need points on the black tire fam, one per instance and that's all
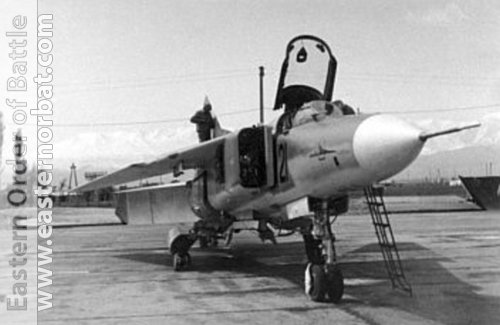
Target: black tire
(319, 283)
(335, 285)
(181, 261)
(177, 262)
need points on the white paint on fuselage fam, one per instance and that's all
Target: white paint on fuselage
(334, 156)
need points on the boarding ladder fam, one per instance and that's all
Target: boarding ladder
(385, 236)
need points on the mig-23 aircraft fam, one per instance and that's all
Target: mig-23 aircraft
(293, 175)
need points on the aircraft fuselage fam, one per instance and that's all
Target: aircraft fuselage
(320, 159)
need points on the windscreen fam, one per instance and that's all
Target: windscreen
(307, 74)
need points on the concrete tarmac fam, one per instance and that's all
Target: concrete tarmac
(116, 274)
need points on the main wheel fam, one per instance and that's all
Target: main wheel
(317, 282)
(335, 285)
(181, 261)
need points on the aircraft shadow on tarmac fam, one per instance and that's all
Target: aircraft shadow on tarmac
(437, 294)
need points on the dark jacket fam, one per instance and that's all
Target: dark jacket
(203, 120)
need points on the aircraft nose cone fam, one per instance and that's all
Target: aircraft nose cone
(384, 145)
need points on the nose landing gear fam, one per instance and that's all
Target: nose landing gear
(323, 278)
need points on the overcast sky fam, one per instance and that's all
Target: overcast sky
(125, 61)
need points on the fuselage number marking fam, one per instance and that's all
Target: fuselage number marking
(282, 163)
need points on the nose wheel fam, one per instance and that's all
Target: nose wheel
(323, 278)
(334, 284)
(323, 283)
(315, 282)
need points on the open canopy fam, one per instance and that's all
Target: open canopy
(308, 73)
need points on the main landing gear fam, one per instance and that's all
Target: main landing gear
(323, 279)
(179, 247)
(181, 261)
(180, 243)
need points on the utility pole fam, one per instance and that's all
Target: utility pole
(261, 75)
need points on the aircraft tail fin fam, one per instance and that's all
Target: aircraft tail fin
(218, 130)
(427, 135)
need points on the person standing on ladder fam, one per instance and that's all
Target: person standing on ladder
(205, 122)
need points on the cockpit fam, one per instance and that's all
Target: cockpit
(306, 84)
(307, 74)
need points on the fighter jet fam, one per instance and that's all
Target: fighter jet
(295, 174)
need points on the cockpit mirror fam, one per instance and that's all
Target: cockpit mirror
(302, 55)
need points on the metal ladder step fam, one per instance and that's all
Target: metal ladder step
(381, 224)
(385, 237)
